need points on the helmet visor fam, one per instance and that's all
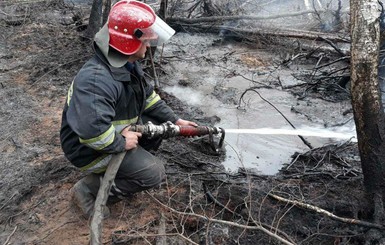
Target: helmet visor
(158, 33)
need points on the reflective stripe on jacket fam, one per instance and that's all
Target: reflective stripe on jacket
(101, 101)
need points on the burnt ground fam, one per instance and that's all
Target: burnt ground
(199, 203)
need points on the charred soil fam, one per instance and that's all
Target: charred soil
(200, 203)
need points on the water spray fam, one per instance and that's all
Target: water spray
(323, 133)
(168, 130)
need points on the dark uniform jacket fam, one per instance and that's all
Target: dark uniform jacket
(102, 100)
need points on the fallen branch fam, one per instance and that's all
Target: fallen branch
(144, 235)
(11, 15)
(10, 235)
(334, 46)
(101, 198)
(252, 32)
(211, 220)
(25, 210)
(238, 17)
(162, 230)
(28, 2)
(211, 197)
(14, 194)
(327, 213)
(57, 67)
(53, 230)
(287, 120)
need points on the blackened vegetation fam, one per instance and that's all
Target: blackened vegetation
(327, 79)
(336, 161)
(323, 85)
(39, 54)
(48, 57)
(327, 57)
(331, 20)
(328, 178)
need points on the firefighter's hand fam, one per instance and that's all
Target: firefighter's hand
(181, 122)
(131, 138)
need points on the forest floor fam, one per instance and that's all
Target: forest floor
(200, 203)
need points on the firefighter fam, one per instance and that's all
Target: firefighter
(109, 94)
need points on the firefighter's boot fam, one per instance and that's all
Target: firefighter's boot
(84, 194)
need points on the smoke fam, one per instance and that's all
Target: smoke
(187, 95)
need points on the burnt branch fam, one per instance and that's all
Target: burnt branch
(227, 18)
(328, 80)
(287, 120)
(327, 213)
(213, 220)
(255, 32)
(328, 160)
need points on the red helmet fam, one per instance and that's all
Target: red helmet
(130, 22)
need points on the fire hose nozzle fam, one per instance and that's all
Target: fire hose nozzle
(204, 130)
(168, 129)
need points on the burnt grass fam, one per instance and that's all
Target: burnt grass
(199, 203)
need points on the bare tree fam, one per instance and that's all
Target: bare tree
(163, 9)
(366, 100)
(98, 16)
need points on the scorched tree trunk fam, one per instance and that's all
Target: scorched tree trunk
(366, 99)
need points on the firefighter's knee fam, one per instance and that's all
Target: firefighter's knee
(139, 171)
(156, 175)
(147, 178)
